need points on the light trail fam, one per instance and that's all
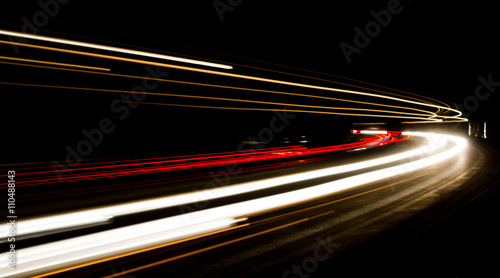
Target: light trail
(114, 49)
(335, 82)
(240, 100)
(274, 109)
(56, 223)
(258, 233)
(241, 77)
(354, 86)
(99, 246)
(119, 242)
(430, 114)
(314, 78)
(210, 160)
(303, 76)
(47, 195)
(438, 122)
(379, 123)
(383, 132)
(144, 250)
(53, 63)
(94, 216)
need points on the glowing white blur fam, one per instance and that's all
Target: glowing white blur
(382, 132)
(114, 49)
(70, 252)
(73, 251)
(72, 220)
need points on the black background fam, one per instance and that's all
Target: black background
(436, 49)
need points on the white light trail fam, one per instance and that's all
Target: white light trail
(101, 245)
(484, 130)
(114, 49)
(432, 118)
(383, 132)
(72, 220)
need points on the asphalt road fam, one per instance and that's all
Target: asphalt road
(436, 222)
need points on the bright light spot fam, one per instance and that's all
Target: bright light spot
(114, 49)
(69, 252)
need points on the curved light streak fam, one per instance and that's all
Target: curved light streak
(53, 63)
(93, 216)
(430, 114)
(288, 110)
(113, 49)
(239, 76)
(235, 100)
(84, 250)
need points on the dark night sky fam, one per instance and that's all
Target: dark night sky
(433, 48)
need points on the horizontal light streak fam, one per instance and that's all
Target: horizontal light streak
(240, 76)
(274, 109)
(101, 245)
(380, 123)
(64, 221)
(430, 114)
(229, 99)
(369, 132)
(341, 83)
(53, 63)
(438, 122)
(66, 252)
(413, 95)
(113, 49)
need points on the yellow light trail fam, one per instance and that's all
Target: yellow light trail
(246, 225)
(430, 114)
(236, 76)
(354, 86)
(114, 49)
(309, 77)
(215, 246)
(327, 80)
(53, 63)
(300, 69)
(179, 227)
(138, 251)
(380, 123)
(432, 122)
(265, 231)
(269, 109)
(225, 99)
(301, 95)
(305, 76)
